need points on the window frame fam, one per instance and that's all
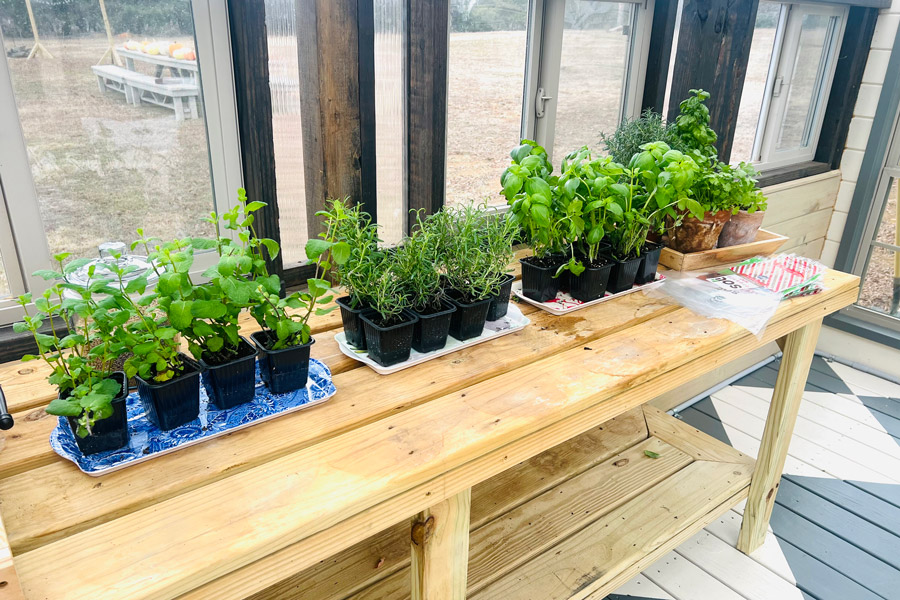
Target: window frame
(544, 57)
(784, 53)
(23, 245)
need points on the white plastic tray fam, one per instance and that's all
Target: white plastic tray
(564, 303)
(513, 321)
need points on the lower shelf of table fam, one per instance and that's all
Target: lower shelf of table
(574, 522)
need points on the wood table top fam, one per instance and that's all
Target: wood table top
(228, 517)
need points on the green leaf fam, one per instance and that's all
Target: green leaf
(64, 408)
(254, 206)
(169, 283)
(166, 333)
(340, 252)
(511, 186)
(215, 344)
(180, 314)
(75, 265)
(651, 453)
(271, 284)
(272, 247)
(137, 286)
(615, 209)
(315, 248)
(540, 214)
(203, 243)
(237, 291)
(203, 329)
(47, 274)
(226, 266)
(208, 309)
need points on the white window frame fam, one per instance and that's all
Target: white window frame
(546, 27)
(23, 242)
(781, 69)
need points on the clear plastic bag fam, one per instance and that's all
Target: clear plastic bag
(723, 295)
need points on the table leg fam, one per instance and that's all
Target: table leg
(129, 63)
(798, 348)
(440, 549)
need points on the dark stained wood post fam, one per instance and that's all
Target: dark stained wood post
(662, 32)
(250, 56)
(712, 54)
(331, 110)
(427, 59)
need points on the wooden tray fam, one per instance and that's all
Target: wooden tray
(766, 243)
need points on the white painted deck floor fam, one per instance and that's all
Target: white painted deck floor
(835, 530)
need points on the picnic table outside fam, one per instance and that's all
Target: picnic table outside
(178, 68)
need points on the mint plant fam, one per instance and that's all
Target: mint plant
(82, 345)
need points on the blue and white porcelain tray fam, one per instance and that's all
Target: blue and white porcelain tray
(147, 441)
(512, 322)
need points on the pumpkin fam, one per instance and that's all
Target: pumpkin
(173, 47)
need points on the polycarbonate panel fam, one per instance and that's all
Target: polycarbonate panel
(390, 117)
(284, 83)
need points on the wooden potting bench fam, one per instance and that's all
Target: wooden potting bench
(420, 459)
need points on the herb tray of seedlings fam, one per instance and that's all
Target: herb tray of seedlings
(563, 303)
(147, 441)
(513, 321)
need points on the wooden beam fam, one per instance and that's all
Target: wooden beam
(366, 24)
(440, 549)
(328, 54)
(845, 87)
(250, 55)
(9, 580)
(662, 33)
(712, 54)
(798, 354)
(428, 50)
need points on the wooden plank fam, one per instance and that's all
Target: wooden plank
(659, 54)
(832, 517)
(86, 505)
(9, 579)
(842, 556)
(804, 229)
(712, 54)
(387, 552)
(427, 61)
(880, 451)
(538, 525)
(688, 581)
(440, 549)
(635, 588)
(250, 57)
(735, 569)
(812, 576)
(593, 385)
(811, 249)
(848, 74)
(624, 540)
(252, 578)
(793, 172)
(329, 102)
(801, 197)
(854, 377)
(692, 441)
(798, 353)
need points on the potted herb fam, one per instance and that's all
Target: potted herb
(536, 210)
(498, 236)
(586, 185)
(168, 382)
(353, 227)
(285, 338)
(469, 268)
(631, 134)
(388, 323)
(749, 208)
(418, 269)
(79, 350)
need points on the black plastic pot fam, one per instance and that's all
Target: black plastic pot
(565, 281)
(353, 327)
(468, 320)
(392, 344)
(283, 370)
(500, 302)
(649, 263)
(107, 434)
(538, 282)
(431, 330)
(232, 383)
(175, 402)
(622, 276)
(591, 284)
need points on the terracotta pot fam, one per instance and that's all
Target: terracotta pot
(741, 229)
(695, 235)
